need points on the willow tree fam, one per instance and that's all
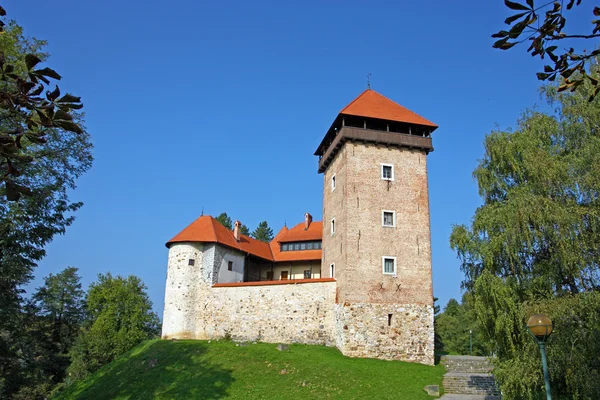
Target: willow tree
(534, 242)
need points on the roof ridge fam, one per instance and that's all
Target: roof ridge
(356, 99)
(212, 224)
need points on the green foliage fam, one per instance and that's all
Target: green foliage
(120, 316)
(192, 369)
(454, 327)
(244, 230)
(27, 225)
(225, 220)
(263, 232)
(533, 244)
(545, 37)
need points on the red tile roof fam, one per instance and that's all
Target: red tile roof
(371, 104)
(208, 230)
(298, 234)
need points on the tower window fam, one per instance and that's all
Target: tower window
(388, 218)
(332, 226)
(230, 266)
(333, 183)
(389, 265)
(387, 172)
(191, 262)
(332, 271)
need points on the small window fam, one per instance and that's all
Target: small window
(230, 266)
(307, 274)
(333, 226)
(389, 265)
(387, 172)
(269, 275)
(332, 271)
(388, 218)
(284, 275)
(191, 262)
(333, 183)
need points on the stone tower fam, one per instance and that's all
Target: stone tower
(376, 233)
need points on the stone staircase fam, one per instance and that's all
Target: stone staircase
(468, 378)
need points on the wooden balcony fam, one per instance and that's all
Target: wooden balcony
(373, 136)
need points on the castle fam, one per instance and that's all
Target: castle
(360, 280)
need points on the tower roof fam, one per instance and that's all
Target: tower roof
(371, 104)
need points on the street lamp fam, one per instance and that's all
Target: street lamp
(540, 327)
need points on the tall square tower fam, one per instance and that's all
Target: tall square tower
(376, 230)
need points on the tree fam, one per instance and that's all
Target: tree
(263, 232)
(47, 171)
(456, 326)
(547, 36)
(225, 220)
(533, 244)
(50, 325)
(120, 316)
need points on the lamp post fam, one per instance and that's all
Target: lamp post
(540, 327)
(471, 341)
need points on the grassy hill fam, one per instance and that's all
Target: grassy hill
(189, 369)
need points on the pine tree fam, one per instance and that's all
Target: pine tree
(263, 232)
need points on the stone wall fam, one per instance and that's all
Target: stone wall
(386, 331)
(288, 313)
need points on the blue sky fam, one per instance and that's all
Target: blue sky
(221, 105)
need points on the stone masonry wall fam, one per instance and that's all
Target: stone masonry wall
(386, 331)
(288, 313)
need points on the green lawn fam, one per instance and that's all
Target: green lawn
(191, 369)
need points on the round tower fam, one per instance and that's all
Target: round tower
(376, 231)
(184, 275)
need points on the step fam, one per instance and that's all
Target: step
(473, 364)
(449, 396)
(470, 383)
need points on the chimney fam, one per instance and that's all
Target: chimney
(236, 230)
(307, 221)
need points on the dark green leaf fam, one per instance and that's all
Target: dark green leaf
(69, 126)
(515, 17)
(71, 106)
(2, 12)
(69, 98)
(530, 4)
(47, 72)
(51, 96)
(31, 60)
(60, 114)
(515, 6)
(500, 34)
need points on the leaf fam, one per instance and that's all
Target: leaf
(530, 3)
(69, 126)
(2, 12)
(71, 106)
(63, 115)
(597, 11)
(51, 96)
(594, 93)
(31, 60)
(37, 90)
(69, 98)
(515, 6)
(44, 118)
(500, 34)
(48, 72)
(542, 76)
(515, 17)
(548, 68)
(11, 192)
